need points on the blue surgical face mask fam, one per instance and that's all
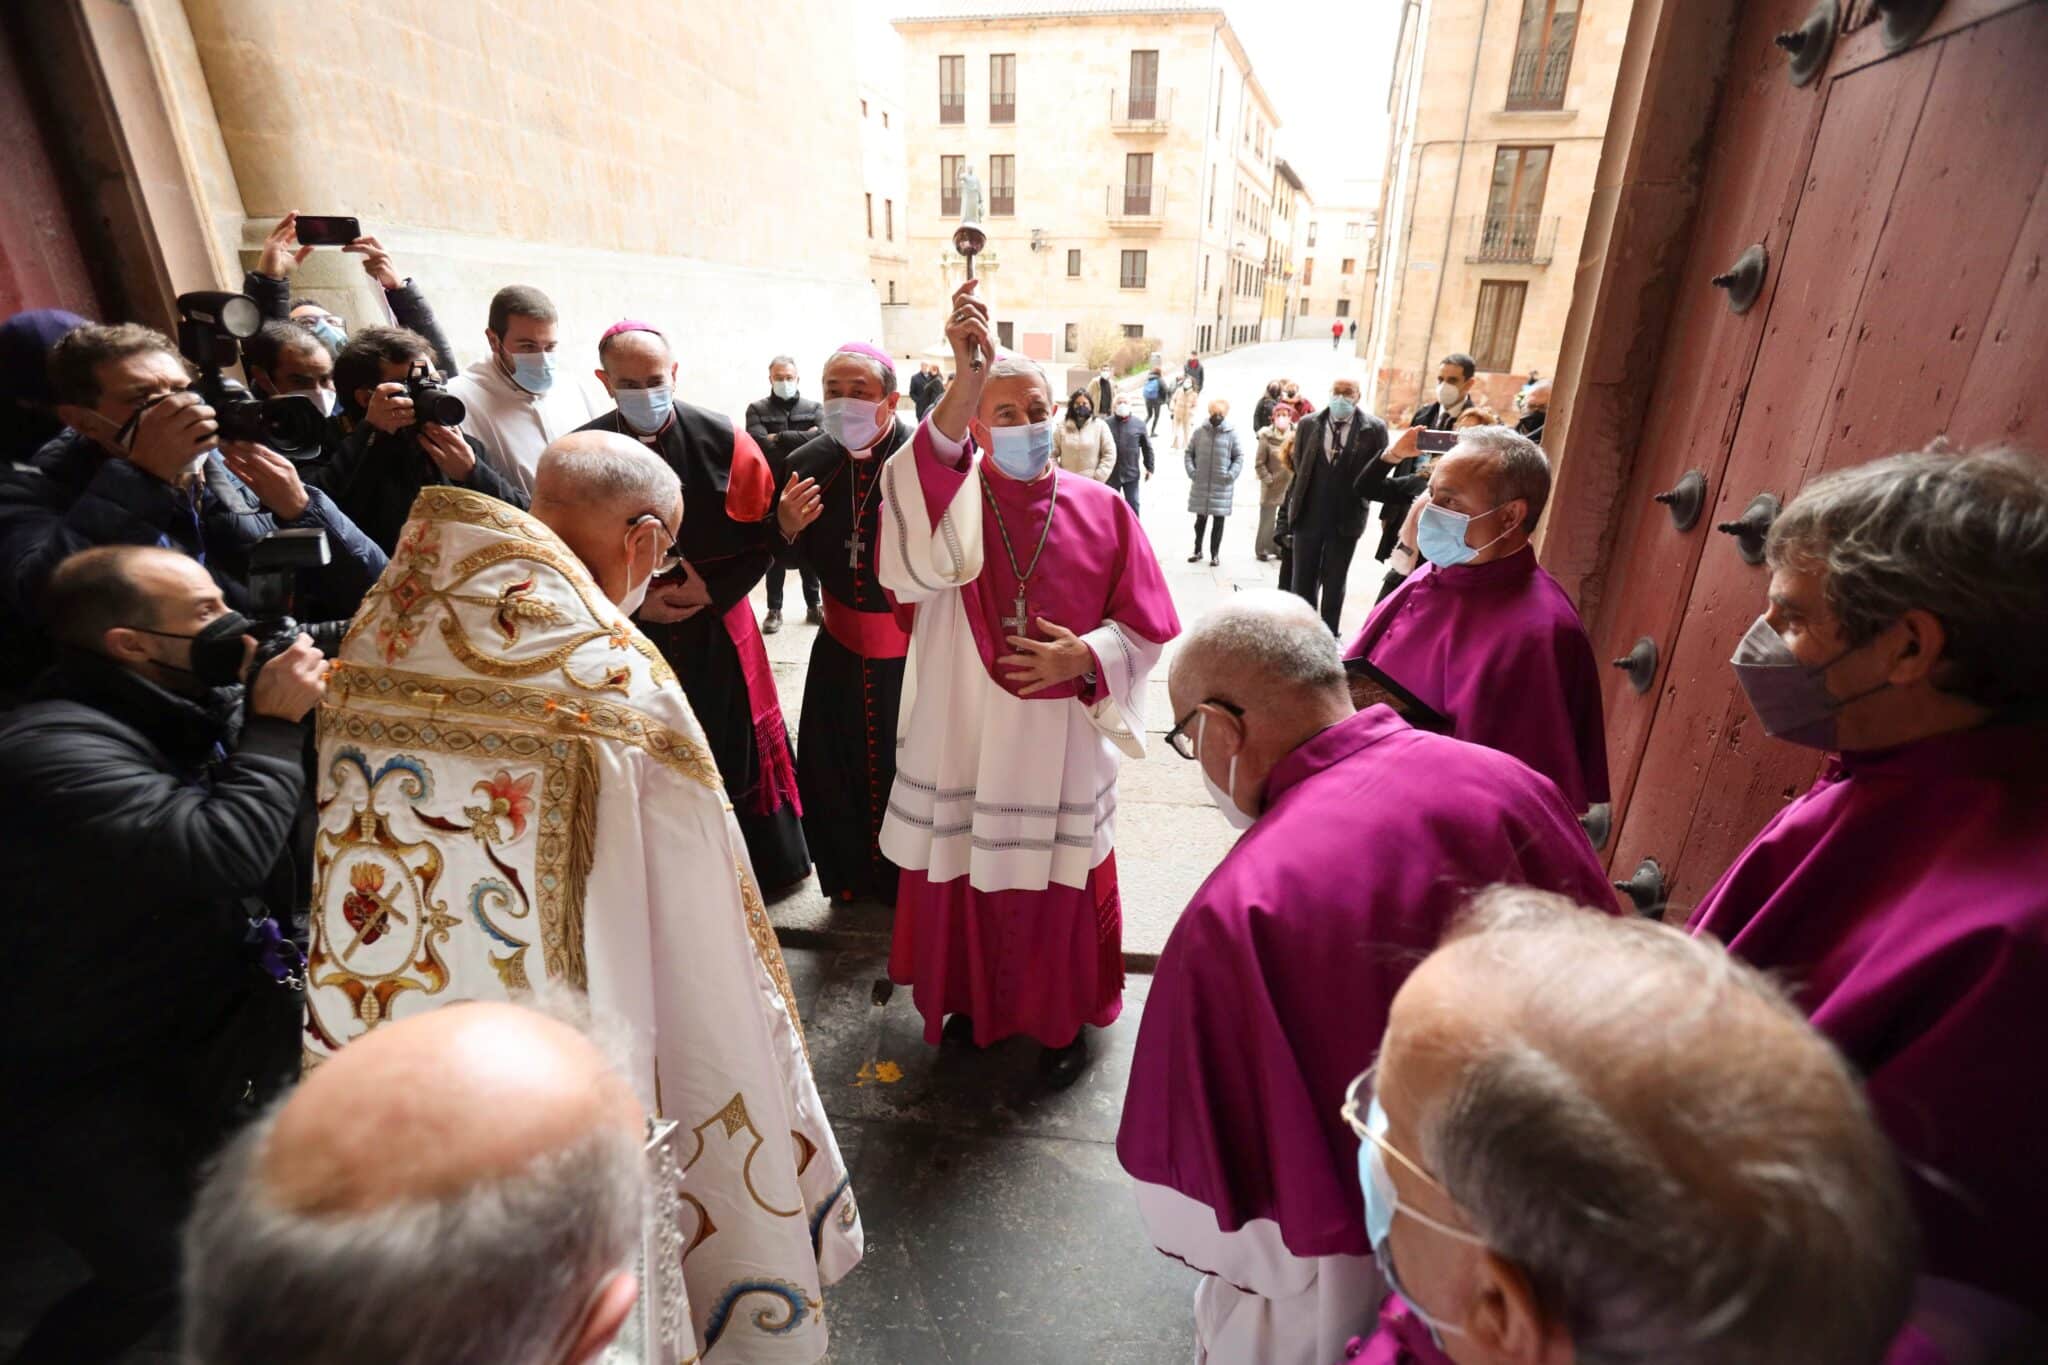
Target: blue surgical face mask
(1382, 1203)
(330, 334)
(1341, 409)
(646, 410)
(1021, 452)
(534, 371)
(1440, 536)
(785, 389)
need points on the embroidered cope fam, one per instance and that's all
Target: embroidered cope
(514, 795)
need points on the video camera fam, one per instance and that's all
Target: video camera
(275, 562)
(210, 323)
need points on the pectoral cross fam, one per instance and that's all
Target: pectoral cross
(854, 545)
(1017, 622)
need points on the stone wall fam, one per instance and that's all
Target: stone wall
(696, 166)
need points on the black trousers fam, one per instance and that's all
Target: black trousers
(807, 579)
(1322, 563)
(1153, 406)
(1215, 535)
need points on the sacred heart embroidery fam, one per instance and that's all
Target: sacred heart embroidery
(367, 912)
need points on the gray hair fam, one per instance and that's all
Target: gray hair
(1012, 365)
(497, 1274)
(1964, 537)
(1274, 635)
(619, 472)
(1520, 468)
(1681, 1165)
(788, 360)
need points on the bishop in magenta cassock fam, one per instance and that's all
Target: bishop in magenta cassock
(829, 510)
(1039, 612)
(1482, 635)
(698, 614)
(1275, 983)
(1904, 898)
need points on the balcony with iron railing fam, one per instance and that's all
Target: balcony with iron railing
(1135, 206)
(1512, 239)
(1141, 109)
(1537, 79)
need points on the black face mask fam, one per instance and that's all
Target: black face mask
(1080, 412)
(1215, 419)
(217, 649)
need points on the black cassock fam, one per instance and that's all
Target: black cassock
(718, 654)
(846, 749)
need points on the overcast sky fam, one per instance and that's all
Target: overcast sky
(1325, 65)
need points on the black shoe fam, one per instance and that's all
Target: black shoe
(959, 1029)
(1214, 561)
(1059, 1068)
(814, 615)
(1195, 558)
(773, 622)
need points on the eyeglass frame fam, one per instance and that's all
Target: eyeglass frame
(671, 561)
(1179, 732)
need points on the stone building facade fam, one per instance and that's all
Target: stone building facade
(1499, 113)
(1126, 159)
(1330, 288)
(698, 179)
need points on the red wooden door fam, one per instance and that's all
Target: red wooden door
(41, 265)
(1899, 199)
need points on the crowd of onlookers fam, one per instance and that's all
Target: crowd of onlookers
(1580, 1136)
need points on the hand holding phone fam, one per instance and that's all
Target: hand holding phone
(327, 230)
(1435, 442)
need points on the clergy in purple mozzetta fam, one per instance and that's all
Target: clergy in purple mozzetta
(1038, 613)
(1905, 897)
(1363, 836)
(1482, 635)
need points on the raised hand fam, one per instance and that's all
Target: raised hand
(376, 262)
(281, 250)
(802, 501)
(275, 480)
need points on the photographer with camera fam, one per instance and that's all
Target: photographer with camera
(150, 990)
(146, 460)
(270, 284)
(405, 434)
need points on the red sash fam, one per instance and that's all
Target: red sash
(870, 634)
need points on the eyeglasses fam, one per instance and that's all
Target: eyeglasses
(670, 561)
(1180, 741)
(311, 320)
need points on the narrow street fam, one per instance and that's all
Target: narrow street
(1000, 1229)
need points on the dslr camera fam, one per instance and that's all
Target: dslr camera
(210, 323)
(275, 562)
(431, 401)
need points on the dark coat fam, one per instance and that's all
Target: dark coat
(1132, 443)
(1103, 391)
(73, 496)
(377, 477)
(1193, 372)
(147, 830)
(924, 392)
(781, 428)
(1331, 495)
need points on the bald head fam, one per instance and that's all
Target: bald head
(1258, 643)
(613, 501)
(466, 1185)
(1673, 1162)
(490, 1088)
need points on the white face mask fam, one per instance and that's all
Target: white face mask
(1448, 393)
(785, 389)
(634, 597)
(1225, 802)
(851, 422)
